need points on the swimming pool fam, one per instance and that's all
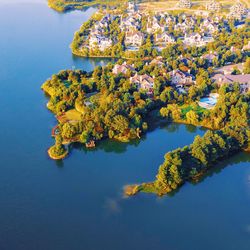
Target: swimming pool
(209, 101)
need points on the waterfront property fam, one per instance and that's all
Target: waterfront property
(123, 34)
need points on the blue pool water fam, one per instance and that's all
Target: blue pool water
(211, 101)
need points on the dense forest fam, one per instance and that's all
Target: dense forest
(91, 106)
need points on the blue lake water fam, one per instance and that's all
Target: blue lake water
(78, 203)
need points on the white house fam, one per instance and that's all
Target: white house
(212, 5)
(154, 25)
(164, 38)
(134, 38)
(122, 69)
(100, 42)
(196, 39)
(180, 78)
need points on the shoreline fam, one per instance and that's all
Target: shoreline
(108, 57)
(61, 157)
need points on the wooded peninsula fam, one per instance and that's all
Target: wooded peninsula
(178, 68)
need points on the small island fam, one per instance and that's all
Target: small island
(58, 151)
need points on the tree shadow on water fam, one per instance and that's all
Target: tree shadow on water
(241, 157)
(107, 145)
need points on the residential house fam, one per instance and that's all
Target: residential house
(228, 69)
(238, 11)
(144, 82)
(181, 26)
(210, 57)
(154, 25)
(242, 80)
(129, 23)
(164, 38)
(209, 26)
(100, 42)
(190, 21)
(169, 19)
(180, 78)
(134, 38)
(186, 4)
(196, 39)
(157, 61)
(122, 69)
(213, 6)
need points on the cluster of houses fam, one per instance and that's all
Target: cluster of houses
(238, 11)
(179, 79)
(159, 26)
(144, 82)
(156, 25)
(123, 68)
(97, 37)
(224, 75)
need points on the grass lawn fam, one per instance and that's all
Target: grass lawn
(70, 115)
(186, 108)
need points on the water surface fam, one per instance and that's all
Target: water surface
(78, 203)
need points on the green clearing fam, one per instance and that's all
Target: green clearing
(70, 115)
(187, 107)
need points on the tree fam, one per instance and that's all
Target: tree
(246, 68)
(165, 112)
(192, 117)
(120, 123)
